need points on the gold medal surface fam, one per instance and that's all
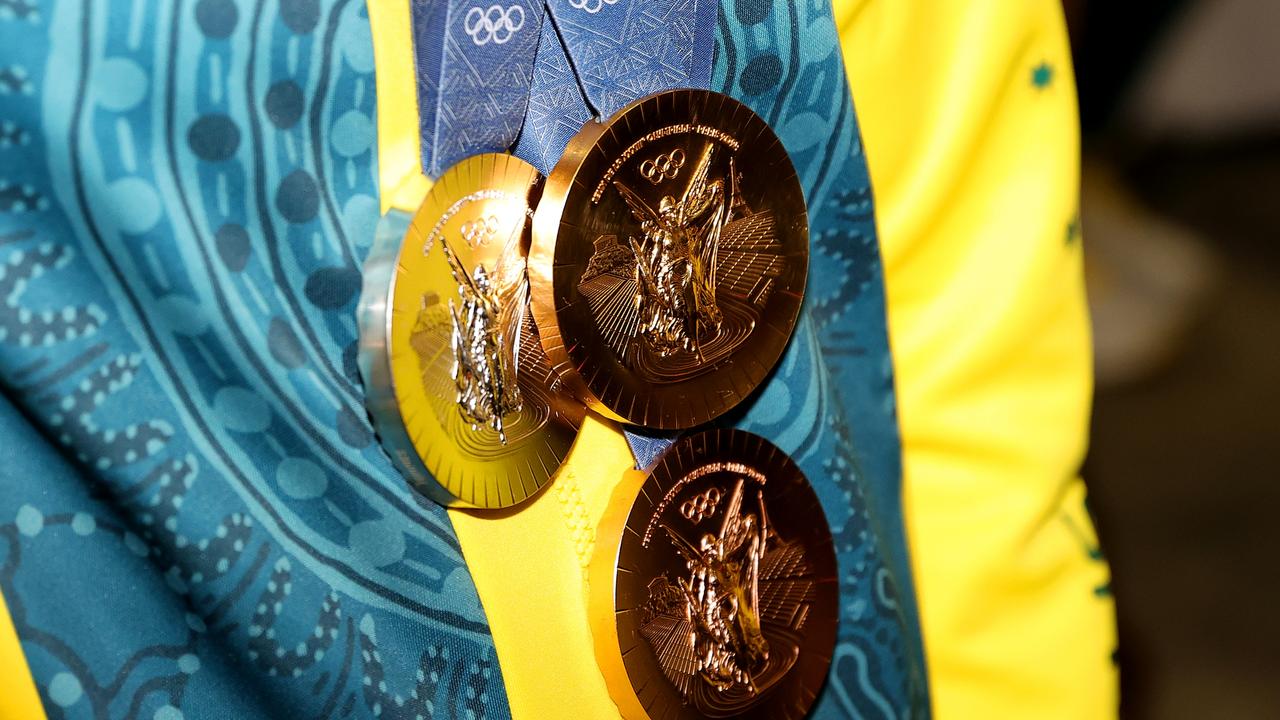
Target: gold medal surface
(713, 588)
(459, 387)
(669, 258)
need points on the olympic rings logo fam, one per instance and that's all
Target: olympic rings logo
(700, 506)
(480, 231)
(495, 24)
(664, 167)
(591, 6)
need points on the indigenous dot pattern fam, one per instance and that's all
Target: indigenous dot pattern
(187, 192)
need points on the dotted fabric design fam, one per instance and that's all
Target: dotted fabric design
(194, 519)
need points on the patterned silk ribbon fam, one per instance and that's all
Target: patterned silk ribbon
(481, 84)
(493, 77)
(474, 65)
(598, 55)
(623, 50)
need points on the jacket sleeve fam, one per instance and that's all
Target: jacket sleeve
(969, 117)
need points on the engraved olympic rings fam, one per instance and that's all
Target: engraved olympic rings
(701, 505)
(480, 231)
(494, 24)
(591, 6)
(664, 167)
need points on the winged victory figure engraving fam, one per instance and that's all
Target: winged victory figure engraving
(676, 259)
(485, 336)
(722, 595)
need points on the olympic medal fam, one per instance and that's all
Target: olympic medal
(669, 258)
(461, 393)
(713, 588)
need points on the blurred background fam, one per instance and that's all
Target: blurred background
(1180, 104)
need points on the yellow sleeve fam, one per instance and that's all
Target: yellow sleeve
(18, 697)
(969, 121)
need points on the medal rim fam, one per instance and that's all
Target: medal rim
(603, 573)
(376, 321)
(547, 224)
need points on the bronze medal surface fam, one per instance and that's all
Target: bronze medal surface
(460, 389)
(669, 259)
(717, 596)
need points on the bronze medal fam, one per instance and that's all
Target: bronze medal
(669, 258)
(459, 388)
(713, 589)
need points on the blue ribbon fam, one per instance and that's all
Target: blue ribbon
(598, 55)
(491, 71)
(626, 49)
(493, 77)
(475, 62)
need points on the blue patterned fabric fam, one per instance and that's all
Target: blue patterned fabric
(621, 50)
(624, 49)
(830, 403)
(194, 520)
(474, 65)
(556, 108)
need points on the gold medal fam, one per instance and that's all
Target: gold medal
(669, 257)
(459, 388)
(713, 588)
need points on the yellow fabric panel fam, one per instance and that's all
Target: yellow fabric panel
(18, 697)
(970, 127)
(531, 569)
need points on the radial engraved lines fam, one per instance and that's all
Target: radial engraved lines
(610, 298)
